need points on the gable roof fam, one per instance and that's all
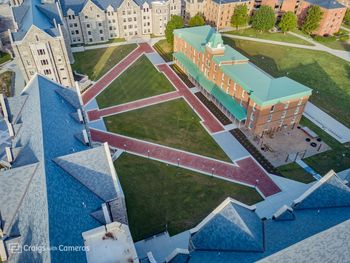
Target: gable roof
(233, 226)
(330, 191)
(34, 13)
(92, 169)
(38, 203)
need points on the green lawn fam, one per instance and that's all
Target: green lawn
(251, 32)
(158, 195)
(171, 123)
(140, 80)
(95, 63)
(337, 159)
(338, 44)
(4, 57)
(346, 25)
(327, 75)
(295, 172)
(164, 49)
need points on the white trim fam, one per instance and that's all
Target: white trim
(175, 253)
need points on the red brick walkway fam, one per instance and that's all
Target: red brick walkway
(209, 121)
(106, 79)
(246, 171)
(96, 114)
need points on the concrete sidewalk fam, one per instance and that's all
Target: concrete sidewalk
(327, 123)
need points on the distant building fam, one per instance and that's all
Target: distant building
(53, 185)
(96, 21)
(333, 15)
(40, 41)
(219, 13)
(246, 94)
(313, 228)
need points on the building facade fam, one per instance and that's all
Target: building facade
(40, 41)
(246, 94)
(95, 21)
(219, 13)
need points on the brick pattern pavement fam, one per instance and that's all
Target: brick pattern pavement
(245, 171)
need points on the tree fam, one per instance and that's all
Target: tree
(312, 20)
(264, 19)
(346, 19)
(175, 22)
(288, 22)
(240, 16)
(196, 20)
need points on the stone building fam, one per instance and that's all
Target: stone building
(95, 21)
(40, 42)
(246, 94)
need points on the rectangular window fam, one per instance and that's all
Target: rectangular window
(272, 108)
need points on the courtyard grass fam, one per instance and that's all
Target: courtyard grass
(96, 62)
(140, 80)
(171, 123)
(278, 36)
(164, 49)
(4, 57)
(326, 74)
(294, 172)
(159, 195)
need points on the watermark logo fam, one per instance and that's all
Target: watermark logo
(18, 248)
(15, 248)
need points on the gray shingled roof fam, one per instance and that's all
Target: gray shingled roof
(15, 183)
(92, 169)
(330, 191)
(231, 227)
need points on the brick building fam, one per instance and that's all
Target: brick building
(219, 11)
(246, 94)
(333, 14)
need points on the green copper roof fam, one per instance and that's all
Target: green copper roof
(197, 37)
(229, 55)
(264, 89)
(226, 100)
(215, 40)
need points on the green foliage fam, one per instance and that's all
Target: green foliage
(264, 19)
(312, 20)
(326, 39)
(344, 38)
(347, 17)
(240, 16)
(288, 22)
(196, 20)
(175, 22)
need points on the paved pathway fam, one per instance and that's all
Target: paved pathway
(317, 46)
(108, 78)
(327, 123)
(96, 114)
(308, 169)
(245, 171)
(209, 120)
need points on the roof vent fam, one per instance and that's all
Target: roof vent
(10, 128)
(80, 116)
(85, 137)
(9, 154)
(3, 106)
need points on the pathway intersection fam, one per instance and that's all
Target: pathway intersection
(244, 171)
